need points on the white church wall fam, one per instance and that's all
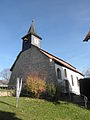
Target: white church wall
(73, 88)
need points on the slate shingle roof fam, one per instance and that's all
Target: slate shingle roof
(56, 59)
(60, 61)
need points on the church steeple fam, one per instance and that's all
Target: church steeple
(32, 28)
(31, 38)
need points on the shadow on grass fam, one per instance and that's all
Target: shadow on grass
(54, 99)
(7, 104)
(8, 116)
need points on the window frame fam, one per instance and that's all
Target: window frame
(72, 80)
(65, 73)
(78, 83)
(59, 76)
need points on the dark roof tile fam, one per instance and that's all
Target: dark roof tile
(56, 59)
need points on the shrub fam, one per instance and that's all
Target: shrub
(36, 85)
(52, 89)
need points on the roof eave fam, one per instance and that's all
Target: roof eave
(68, 67)
(32, 34)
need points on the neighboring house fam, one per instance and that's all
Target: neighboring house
(87, 37)
(85, 87)
(32, 59)
(4, 83)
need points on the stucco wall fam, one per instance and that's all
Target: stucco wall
(74, 89)
(31, 61)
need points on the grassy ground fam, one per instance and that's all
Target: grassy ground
(36, 109)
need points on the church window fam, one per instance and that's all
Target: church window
(65, 73)
(25, 39)
(59, 73)
(72, 80)
(78, 81)
(67, 85)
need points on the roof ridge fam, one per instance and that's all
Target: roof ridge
(64, 63)
(58, 58)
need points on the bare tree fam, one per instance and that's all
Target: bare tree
(86, 72)
(5, 74)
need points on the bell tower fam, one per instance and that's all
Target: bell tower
(31, 38)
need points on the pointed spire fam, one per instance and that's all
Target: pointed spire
(31, 31)
(32, 28)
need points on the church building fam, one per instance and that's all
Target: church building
(33, 59)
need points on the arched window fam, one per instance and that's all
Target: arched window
(78, 82)
(72, 80)
(59, 73)
(65, 73)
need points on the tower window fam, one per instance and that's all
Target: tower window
(25, 39)
(72, 80)
(59, 73)
(65, 73)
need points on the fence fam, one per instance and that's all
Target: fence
(7, 90)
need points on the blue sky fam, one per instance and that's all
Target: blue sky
(62, 24)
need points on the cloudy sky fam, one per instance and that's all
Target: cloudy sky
(62, 24)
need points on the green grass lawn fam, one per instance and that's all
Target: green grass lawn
(36, 109)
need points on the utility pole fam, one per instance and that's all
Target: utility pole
(18, 90)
